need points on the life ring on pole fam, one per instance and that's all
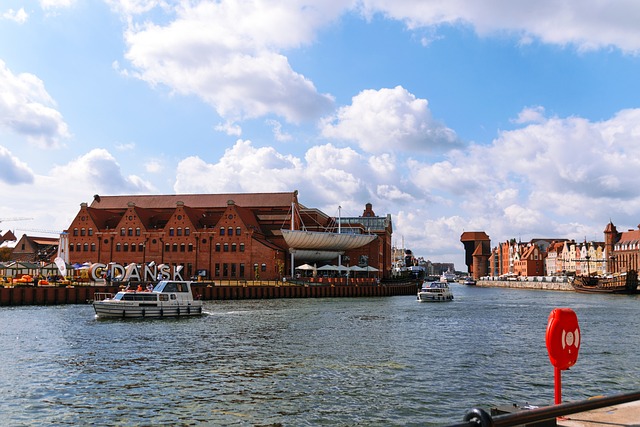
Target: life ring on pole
(563, 338)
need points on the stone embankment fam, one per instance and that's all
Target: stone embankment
(546, 285)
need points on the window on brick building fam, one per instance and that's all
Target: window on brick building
(241, 247)
(86, 247)
(233, 270)
(222, 231)
(226, 247)
(130, 232)
(171, 231)
(264, 267)
(225, 270)
(118, 247)
(175, 247)
(141, 247)
(233, 247)
(91, 232)
(123, 232)
(230, 231)
(187, 231)
(217, 270)
(137, 231)
(83, 232)
(241, 272)
(75, 231)
(167, 247)
(133, 247)
(78, 247)
(217, 247)
(238, 231)
(190, 247)
(182, 247)
(71, 248)
(179, 231)
(125, 247)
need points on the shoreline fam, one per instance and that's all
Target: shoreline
(525, 284)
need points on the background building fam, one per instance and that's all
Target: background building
(222, 236)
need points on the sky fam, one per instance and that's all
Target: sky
(520, 119)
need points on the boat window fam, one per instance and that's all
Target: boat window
(173, 296)
(170, 287)
(164, 297)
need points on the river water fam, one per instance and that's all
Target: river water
(293, 362)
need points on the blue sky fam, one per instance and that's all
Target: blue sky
(520, 119)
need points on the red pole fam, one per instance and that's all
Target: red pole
(558, 386)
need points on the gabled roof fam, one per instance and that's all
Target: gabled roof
(251, 200)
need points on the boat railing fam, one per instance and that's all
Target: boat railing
(101, 296)
(477, 417)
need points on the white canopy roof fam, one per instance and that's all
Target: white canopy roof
(300, 239)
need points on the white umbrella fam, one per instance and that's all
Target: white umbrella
(328, 268)
(305, 267)
(369, 268)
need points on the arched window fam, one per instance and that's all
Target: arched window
(133, 247)
(190, 247)
(230, 231)
(123, 232)
(118, 247)
(233, 247)
(241, 247)
(130, 231)
(187, 231)
(171, 231)
(217, 247)
(179, 231)
(91, 232)
(83, 232)
(222, 231)
(182, 247)
(93, 247)
(75, 231)
(175, 247)
(125, 247)
(137, 231)
(226, 247)
(238, 231)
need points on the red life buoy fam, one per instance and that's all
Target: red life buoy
(563, 338)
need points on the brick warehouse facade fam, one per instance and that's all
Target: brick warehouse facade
(216, 236)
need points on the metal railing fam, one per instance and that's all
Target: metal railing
(480, 418)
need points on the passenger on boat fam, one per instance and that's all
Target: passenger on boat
(149, 287)
(139, 288)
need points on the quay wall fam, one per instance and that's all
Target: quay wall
(525, 284)
(48, 295)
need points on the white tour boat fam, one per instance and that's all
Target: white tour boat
(435, 291)
(167, 299)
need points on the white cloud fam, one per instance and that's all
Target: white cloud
(27, 109)
(589, 24)
(530, 115)
(390, 120)
(230, 128)
(12, 170)
(277, 131)
(98, 171)
(227, 53)
(19, 16)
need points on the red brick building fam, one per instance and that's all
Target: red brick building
(218, 236)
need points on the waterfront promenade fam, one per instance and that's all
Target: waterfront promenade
(82, 294)
(526, 284)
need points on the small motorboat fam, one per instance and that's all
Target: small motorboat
(167, 299)
(469, 281)
(435, 292)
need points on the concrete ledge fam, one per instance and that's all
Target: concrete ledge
(525, 284)
(626, 414)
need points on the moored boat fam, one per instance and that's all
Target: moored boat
(625, 283)
(469, 281)
(167, 299)
(435, 292)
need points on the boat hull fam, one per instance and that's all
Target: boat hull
(109, 309)
(624, 284)
(433, 297)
